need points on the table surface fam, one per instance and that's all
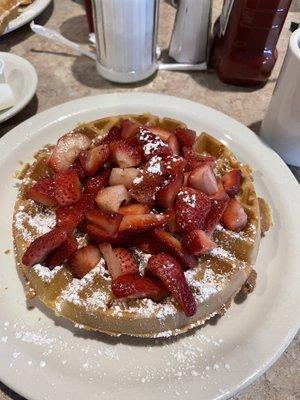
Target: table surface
(64, 76)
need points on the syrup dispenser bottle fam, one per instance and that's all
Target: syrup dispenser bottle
(246, 34)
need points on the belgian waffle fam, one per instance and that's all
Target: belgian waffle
(89, 301)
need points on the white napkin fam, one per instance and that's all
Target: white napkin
(7, 98)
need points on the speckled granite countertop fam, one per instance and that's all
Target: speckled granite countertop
(63, 76)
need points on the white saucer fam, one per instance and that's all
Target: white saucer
(22, 78)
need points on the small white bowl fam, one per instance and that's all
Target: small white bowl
(22, 78)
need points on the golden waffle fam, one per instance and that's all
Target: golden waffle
(89, 301)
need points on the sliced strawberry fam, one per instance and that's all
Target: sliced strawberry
(168, 137)
(112, 261)
(108, 221)
(67, 188)
(134, 142)
(148, 182)
(198, 242)
(134, 209)
(95, 183)
(112, 197)
(169, 271)
(186, 179)
(119, 261)
(123, 176)
(174, 164)
(43, 245)
(113, 135)
(172, 224)
(220, 193)
(192, 208)
(71, 216)
(152, 145)
(174, 145)
(154, 168)
(67, 150)
(166, 195)
(93, 159)
(86, 202)
(77, 167)
(147, 243)
(194, 160)
(84, 260)
(232, 182)
(203, 178)
(134, 286)
(43, 191)
(101, 236)
(125, 155)
(127, 261)
(185, 136)
(172, 245)
(63, 252)
(234, 216)
(129, 128)
(140, 223)
(163, 134)
(215, 214)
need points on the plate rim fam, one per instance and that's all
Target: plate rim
(31, 74)
(12, 134)
(16, 24)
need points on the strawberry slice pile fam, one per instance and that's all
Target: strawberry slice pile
(139, 187)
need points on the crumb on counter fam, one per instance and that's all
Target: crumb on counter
(7, 251)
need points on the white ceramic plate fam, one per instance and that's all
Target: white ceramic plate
(45, 358)
(27, 15)
(22, 78)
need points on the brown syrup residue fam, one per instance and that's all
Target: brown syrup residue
(250, 282)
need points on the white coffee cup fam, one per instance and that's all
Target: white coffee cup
(281, 125)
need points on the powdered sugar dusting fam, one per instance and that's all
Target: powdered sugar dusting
(71, 294)
(81, 239)
(204, 288)
(46, 274)
(137, 180)
(41, 222)
(102, 271)
(221, 253)
(245, 234)
(188, 198)
(145, 308)
(154, 165)
(197, 356)
(142, 259)
(149, 145)
(98, 299)
(171, 160)
(38, 338)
